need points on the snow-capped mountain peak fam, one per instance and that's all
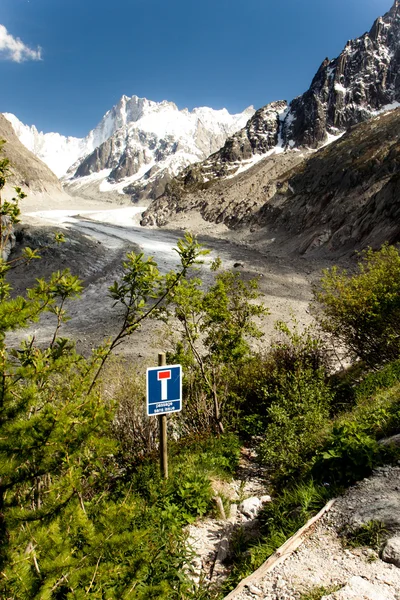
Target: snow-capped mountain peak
(133, 134)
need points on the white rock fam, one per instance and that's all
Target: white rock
(265, 499)
(391, 552)
(361, 589)
(250, 507)
(254, 590)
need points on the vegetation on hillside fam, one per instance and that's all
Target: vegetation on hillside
(83, 509)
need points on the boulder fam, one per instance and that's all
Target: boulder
(391, 552)
(250, 507)
(391, 441)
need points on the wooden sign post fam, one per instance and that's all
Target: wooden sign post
(162, 421)
(164, 396)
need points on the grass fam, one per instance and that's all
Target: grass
(371, 535)
(319, 592)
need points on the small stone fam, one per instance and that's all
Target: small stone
(391, 552)
(254, 590)
(265, 499)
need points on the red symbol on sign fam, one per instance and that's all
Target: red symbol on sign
(163, 376)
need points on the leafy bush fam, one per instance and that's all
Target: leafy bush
(192, 493)
(349, 455)
(297, 418)
(258, 382)
(362, 311)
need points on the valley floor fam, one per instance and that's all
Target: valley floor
(99, 234)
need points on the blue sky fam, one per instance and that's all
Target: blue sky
(64, 63)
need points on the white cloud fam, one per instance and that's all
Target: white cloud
(14, 49)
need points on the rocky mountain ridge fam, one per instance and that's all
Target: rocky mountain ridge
(351, 88)
(356, 86)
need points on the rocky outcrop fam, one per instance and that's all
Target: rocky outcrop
(350, 88)
(260, 135)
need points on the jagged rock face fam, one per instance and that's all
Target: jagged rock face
(258, 137)
(350, 88)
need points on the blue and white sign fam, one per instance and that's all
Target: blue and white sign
(164, 390)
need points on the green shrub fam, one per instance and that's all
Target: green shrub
(297, 419)
(212, 333)
(362, 311)
(191, 493)
(349, 454)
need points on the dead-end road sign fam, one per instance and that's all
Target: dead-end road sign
(164, 390)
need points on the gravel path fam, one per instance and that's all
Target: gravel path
(210, 538)
(323, 561)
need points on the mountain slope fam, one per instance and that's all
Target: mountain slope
(28, 171)
(344, 196)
